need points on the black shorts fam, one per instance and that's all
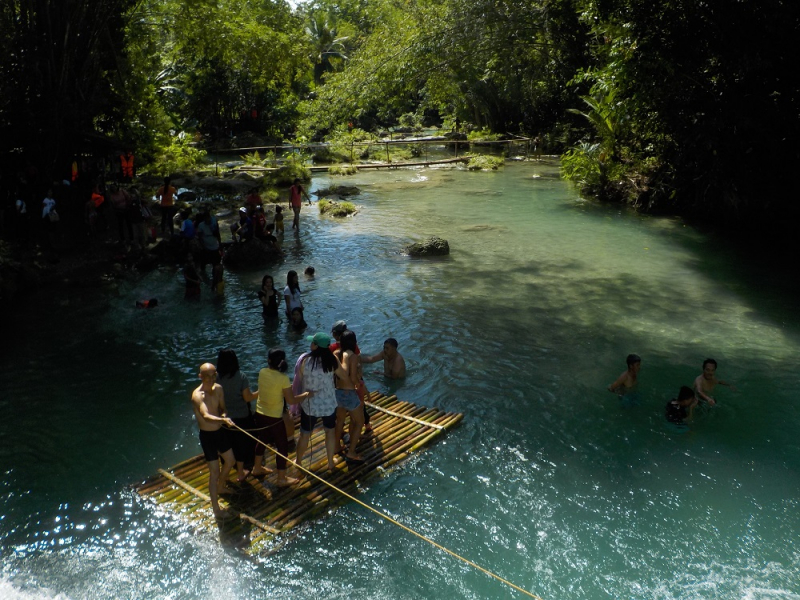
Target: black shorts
(214, 443)
(307, 422)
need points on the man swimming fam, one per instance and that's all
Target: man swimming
(208, 402)
(394, 365)
(706, 382)
(627, 381)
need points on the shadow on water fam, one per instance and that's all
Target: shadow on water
(756, 276)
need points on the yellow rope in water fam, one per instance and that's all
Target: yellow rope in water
(395, 522)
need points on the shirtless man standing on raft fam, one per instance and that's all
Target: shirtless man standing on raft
(208, 402)
(394, 365)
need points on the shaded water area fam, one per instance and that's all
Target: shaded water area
(551, 481)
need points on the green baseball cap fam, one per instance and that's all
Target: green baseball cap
(323, 340)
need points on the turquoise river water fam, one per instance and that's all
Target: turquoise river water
(550, 481)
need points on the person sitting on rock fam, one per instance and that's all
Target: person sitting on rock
(243, 230)
(259, 223)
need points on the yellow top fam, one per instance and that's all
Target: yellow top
(271, 384)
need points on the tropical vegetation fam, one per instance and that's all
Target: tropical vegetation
(671, 106)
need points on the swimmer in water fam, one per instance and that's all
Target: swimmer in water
(679, 410)
(627, 381)
(394, 365)
(706, 382)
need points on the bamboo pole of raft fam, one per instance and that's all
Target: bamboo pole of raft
(153, 482)
(191, 474)
(205, 498)
(321, 497)
(310, 496)
(406, 414)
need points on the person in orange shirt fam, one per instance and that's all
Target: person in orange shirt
(126, 162)
(166, 196)
(99, 201)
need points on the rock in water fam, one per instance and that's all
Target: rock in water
(342, 191)
(434, 246)
(252, 253)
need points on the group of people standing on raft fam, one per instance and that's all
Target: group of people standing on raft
(680, 410)
(328, 385)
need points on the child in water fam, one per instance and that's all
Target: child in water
(217, 284)
(296, 320)
(706, 382)
(679, 410)
(278, 219)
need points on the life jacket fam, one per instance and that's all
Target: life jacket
(126, 161)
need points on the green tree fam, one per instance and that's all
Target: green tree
(61, 74)
(711, 95)
(328, 48)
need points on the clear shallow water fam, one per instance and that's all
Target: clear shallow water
(549, 482)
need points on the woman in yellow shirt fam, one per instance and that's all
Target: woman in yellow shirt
(274, 392)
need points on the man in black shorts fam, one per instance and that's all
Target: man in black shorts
(208, 402)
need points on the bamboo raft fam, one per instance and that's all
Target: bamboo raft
(267, 512)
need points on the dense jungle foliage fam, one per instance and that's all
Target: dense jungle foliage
(680, 106)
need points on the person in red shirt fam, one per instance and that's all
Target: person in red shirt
(253, 200)
(126, 164)
(296, 193)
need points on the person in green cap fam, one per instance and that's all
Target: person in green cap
(317, 371)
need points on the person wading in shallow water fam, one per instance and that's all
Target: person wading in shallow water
(208, 402)
(296, 192)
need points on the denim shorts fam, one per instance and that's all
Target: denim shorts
(347, 399)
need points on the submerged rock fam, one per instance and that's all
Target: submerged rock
(434, 246)
(252, 253)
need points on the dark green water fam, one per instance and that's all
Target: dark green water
(550, 481)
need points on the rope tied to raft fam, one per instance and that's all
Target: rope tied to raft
(396, 522)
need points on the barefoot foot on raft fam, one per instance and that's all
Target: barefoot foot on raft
(286, 481)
